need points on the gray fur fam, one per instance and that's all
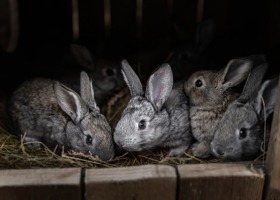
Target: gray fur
(49, 112)
(246, 116)
(165, 111)
(209, 101)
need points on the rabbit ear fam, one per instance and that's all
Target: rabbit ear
(204, 34)
(82, 56)
(87, 92)
(132, 80)
(235, 72)
(159, 86)
(253, 83)
(70, 102)
(265, 101)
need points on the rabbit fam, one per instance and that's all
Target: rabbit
(157, 118)
(190, 54)
(106, 73)
(240, 133)
(49, 112)
(209, 92)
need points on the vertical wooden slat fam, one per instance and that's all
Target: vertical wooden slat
(107, 17)
(273, 156)
(124, 24)
(91, 18)
(139, 17)
(200, 11)
(157, 182)
(40, 184)
(219, 182)
(75, 19)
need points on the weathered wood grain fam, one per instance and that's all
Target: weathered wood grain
(272, 186)
(138, 182)
(41, 184)
(220, 181)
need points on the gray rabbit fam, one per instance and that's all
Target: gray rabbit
(157, 118)
(209, 94)
(240, 133)
(47, 111)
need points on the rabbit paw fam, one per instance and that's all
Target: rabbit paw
(201, 150)
(32, 143)
(178, 151)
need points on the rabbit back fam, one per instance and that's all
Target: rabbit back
(178, 109)
(29, 110)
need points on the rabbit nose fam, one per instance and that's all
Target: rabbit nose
(220, 151)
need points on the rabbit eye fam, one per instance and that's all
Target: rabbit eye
(109, 72)
(89, 140)
(198, 83)
(142, 125)
(242, 133)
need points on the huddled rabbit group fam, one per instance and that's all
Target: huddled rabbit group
(207, 112)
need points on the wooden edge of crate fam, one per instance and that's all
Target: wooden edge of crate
(272, 185)
(134, 182)
(220, 181)
(53, 183)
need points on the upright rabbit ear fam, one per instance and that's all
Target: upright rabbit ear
(265, 101)
(204, 35)
(252, 84)
(87, 92)
(236, 71)
(132, 80)
(159, 86)
(82, 56)
(70, 102)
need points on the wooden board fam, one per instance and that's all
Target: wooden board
(139, 182)
(220, 181)
(41, 184)
(273, 156)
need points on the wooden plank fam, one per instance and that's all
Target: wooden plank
(273, 156)
(138, 182)
(220, 181)
(43, 184)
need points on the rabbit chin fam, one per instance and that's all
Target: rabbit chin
(107, 86)
(225, 153)
(132, 147)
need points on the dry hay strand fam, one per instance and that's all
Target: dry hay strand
(15, 154)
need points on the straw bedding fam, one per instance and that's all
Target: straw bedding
(14, 153)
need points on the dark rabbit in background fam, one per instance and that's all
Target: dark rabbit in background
(45, 110)
(189, 54)
(105, 73)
